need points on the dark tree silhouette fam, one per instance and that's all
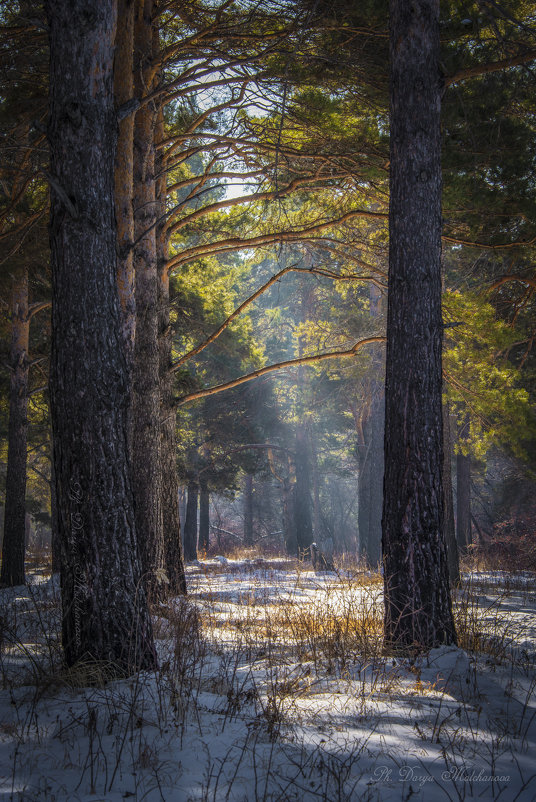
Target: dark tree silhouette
(418, 610)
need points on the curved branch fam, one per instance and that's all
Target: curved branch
(487, 246)
(236, 243)
(491, 66)
(531, 282)
(304, 360)
(290, 269)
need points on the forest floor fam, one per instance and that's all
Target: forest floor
(273, 686)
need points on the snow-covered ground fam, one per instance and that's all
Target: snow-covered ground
(273, 686)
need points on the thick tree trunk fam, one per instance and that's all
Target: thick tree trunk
(146, 415)
(449, 528)
(13, 548)
(204, 518)
(124, 174)
(168, 416)
(418, 612)
(105, 614)
(190, 524)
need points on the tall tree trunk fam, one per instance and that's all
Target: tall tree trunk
(248, 510)
(302, 500)
(190, 524)
(418, 612)
(124, 174)
(317, 527)
(289, 518)
(204, 518)
(449, 532)
(171, 525)
(105, 613)
(147, 473)
(371, 453)
(13, 548)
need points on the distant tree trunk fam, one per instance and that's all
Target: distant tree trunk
(182, 505)
(190, 524)
(317, 527)
(204, 518)
(302, 501)
(13, 548)
(463, 501)
(105, 613)
(171, 525)
(55, 546)
(248, 510)
(124, 174)
(146, 444)
(371, 480)
(449, 533)
(371, 453)
(418, 612)
(289, 517)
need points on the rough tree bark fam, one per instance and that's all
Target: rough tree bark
(13, 547)
(418, 612)
(146, 416)
(190, 523)
(105, 614)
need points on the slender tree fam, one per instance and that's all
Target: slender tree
(418, 611)
(463, 489)
(204, 516)
(105, 614)
(13, 546)
(248, 510)
(124, 172)
(190, 523)
(146, 412)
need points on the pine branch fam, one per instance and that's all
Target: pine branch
(304, 360)
(276, 277)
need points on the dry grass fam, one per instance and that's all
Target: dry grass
(264, 650)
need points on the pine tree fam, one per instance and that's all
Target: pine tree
(418, 611)
(105, 614)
